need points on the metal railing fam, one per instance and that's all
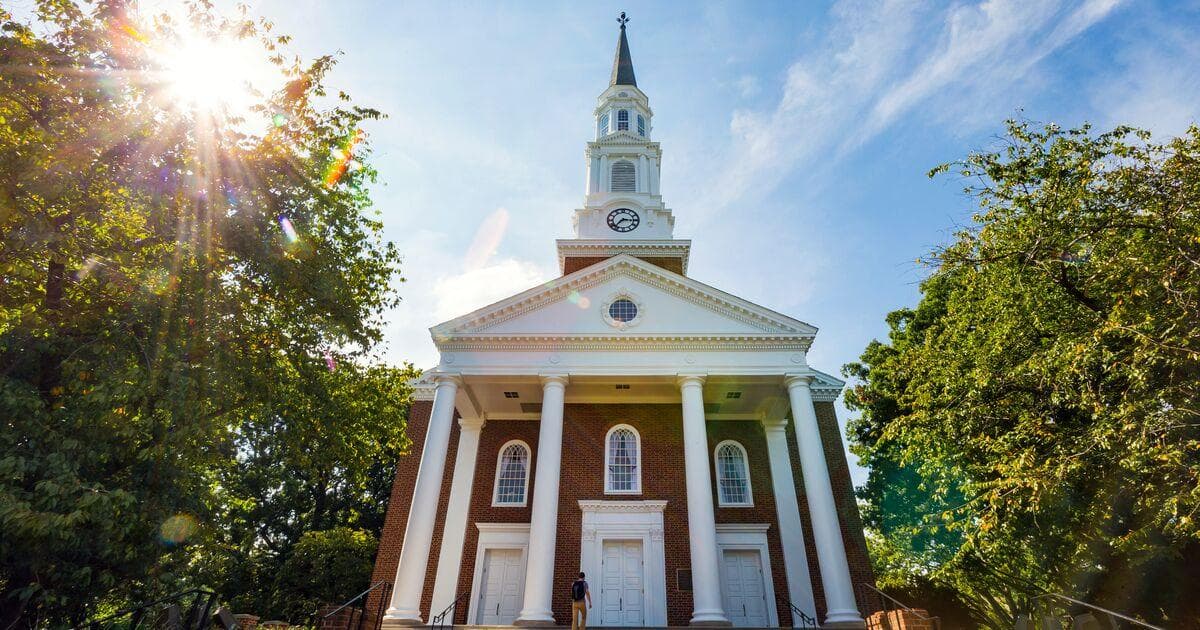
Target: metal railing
(165, 612)
(439, 620)
(889, 604)
(1068, 616)
(356, 616)
(805, 620)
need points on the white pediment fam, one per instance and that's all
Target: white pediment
(670, 307)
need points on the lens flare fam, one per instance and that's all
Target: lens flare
(330, 362)
(343, 156)
(289, 230)
(582, 301)
(176, 529)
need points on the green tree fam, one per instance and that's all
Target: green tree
(322, 567)
(317, 459)
(173, 279)
(1034, 424)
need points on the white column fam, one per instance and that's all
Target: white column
(842, 610)
(604, 179)
(445, 585)
(414, 555)
(587, 178)
(707, 609)
(543, 522)
(643, 182)
(787, 511)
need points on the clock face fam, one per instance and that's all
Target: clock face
(623, 220)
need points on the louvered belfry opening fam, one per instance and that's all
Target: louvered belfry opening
(624, 177)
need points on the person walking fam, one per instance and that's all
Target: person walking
(580, 592)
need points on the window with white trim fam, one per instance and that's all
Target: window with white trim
(512, 474)
(733, 475)
(624, 176)
(603, 124)
(623, 461)
(622, 120)
(641, 125)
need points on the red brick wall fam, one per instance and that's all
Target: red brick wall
(661, 429)
(387, 558)
(575, 263)
(494, 435)
(847, 506)
(752, 437)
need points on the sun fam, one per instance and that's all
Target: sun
(218, 76)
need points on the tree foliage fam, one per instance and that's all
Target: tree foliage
(1034, 424)
(187, 299)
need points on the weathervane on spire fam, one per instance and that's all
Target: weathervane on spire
(622, 20)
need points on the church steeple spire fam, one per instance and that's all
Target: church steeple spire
(622, 72)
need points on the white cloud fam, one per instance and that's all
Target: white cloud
(459, 294)
(879, 63)
(1153, 88)
(748, 85)
(443, 283)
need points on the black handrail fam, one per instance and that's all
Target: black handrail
(439, 620)
(1103, 611)
(198, 616)
(805, 620)
(358, 616)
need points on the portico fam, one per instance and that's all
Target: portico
(772, 401)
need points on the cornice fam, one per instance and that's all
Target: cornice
(622, 506)
(487, 342)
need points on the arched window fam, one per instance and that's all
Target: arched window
(733, 475)
(624, 177)
(623, 461)
(512, 475)
(604, 124)
(641, 125)
(622, 120)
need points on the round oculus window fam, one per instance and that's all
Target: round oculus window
(622, 310)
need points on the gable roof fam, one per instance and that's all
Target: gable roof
(753, 322)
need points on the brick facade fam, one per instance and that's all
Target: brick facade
(575, 263)
(661, 429)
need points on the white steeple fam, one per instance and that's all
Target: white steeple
(623, 210)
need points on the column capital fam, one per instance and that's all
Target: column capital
(472, 424)
(441, 378)
(559, 379)
(796, 380)
(774, 424)
(684, 379)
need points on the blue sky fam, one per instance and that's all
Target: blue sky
(796, 135)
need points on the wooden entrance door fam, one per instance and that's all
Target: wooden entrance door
(503, 586)
(745, 590)
(622, 584)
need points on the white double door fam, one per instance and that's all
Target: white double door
(503, 581)
(745, 589)
(622, 584)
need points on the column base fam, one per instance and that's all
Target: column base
(849, 619)
(710, 619)
(401, 621)
(535, 620)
